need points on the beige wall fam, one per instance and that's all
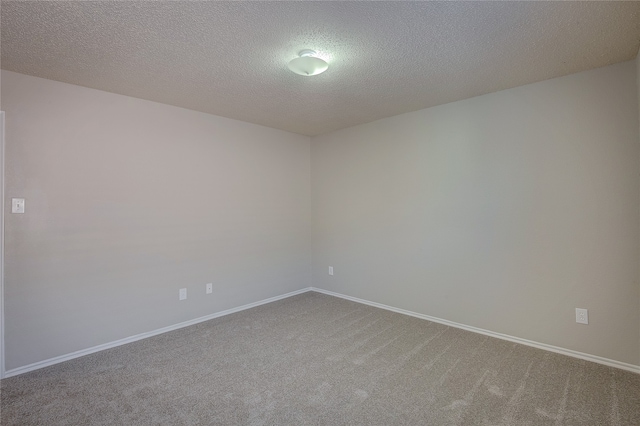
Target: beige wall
(504, 212)
(126, 202)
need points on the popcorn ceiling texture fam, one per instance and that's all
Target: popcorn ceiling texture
(386, 58)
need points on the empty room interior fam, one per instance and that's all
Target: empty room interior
(323, 213)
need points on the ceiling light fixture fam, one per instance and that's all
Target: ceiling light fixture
(308, 64)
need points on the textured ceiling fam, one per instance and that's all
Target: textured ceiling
(386, 58)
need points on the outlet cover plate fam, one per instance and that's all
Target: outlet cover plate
(582, 316)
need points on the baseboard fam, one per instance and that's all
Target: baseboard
(83, 352)
(575, 354)
(544, 346)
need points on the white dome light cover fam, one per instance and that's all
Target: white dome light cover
(307, 64)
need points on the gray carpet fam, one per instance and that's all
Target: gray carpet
(314, 359)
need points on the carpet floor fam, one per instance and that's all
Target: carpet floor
(314, 359)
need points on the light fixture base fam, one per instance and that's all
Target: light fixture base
(307, 64)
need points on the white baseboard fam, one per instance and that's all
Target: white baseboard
(83, 352)
(588, 357)
(575, 354)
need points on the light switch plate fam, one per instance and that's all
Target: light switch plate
(17, 205)
(330, 270)
(209, 288)
(183, 294)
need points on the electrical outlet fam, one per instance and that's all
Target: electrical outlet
(209, 288)
(183, 294)
(582, 316)
(330, 270)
